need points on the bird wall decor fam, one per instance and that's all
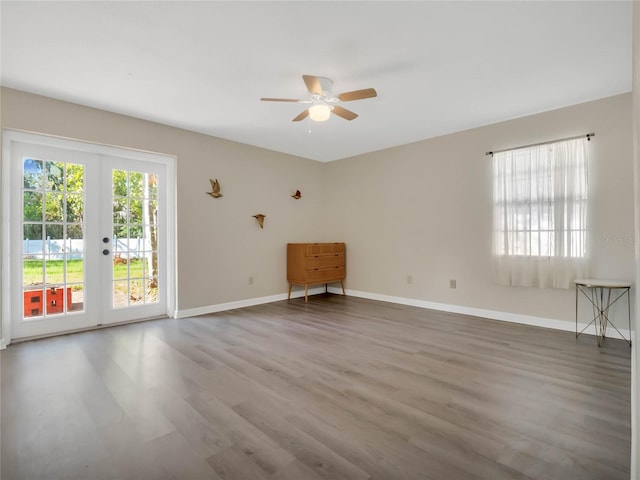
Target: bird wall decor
(297, 195)
(260, 218)
(215, 189)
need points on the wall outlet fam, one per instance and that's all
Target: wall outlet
(251, 280)
(452, 284)
(409, 279)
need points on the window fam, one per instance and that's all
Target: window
(540, 214)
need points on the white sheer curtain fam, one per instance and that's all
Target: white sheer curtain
(540, 215)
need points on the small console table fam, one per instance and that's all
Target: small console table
(600, 293)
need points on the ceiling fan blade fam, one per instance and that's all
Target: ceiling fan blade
(344, 113)
(313, 84)
(304, 114)
(280, 100)
(358, 95)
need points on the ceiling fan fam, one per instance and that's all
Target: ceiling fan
(323, 102)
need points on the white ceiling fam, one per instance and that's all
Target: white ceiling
(438, 67)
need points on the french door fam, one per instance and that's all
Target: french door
(88, 236)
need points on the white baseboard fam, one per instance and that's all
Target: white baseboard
(480, 312)
(552, 323)
(249, 302)
(444, 307)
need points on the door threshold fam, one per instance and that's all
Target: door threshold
(81, 330)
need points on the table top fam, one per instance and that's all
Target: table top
(602, 283)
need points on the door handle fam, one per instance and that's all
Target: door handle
(105, 240)
(105, 252)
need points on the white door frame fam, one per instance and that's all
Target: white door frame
(9, 139)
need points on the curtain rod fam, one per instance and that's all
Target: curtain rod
(588, 135)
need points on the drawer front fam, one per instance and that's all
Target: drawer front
(325, 261)
(324, 248)
(325, 274)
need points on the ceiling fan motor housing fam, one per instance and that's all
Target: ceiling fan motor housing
(326, 84)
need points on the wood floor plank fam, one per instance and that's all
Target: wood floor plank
(174, 455)
(326, 463)
(296, 471)
(339, 388)
(204, 438)
(232, 464)
(260, 449)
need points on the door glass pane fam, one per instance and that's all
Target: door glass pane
(135, 184)
(151, 289)
(55, 176)
(120, 293)
(136, 292)
(75, 178)
(32, 206)
(33, 268)
(74, 207)
(53, 240)
(54, 207)
(32, 237)
(54, 270)
(135, 262)
(32, 174)
(135, 211)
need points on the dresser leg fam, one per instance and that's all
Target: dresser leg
(342, 283)
(306, 293)
(289, 297)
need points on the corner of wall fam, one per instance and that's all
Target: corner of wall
(635, 358)
(2, 343)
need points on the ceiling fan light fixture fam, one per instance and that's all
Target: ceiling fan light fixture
(320, 112)
(323, 102)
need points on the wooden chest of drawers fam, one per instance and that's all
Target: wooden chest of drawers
(315, 263)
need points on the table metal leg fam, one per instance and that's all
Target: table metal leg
(629, 309)
(601, 303)
(577, 288)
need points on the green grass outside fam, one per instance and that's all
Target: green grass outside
(32, 273)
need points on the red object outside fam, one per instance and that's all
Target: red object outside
(33, 305)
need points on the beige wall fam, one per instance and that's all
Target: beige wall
(219, 243)
(424, 210)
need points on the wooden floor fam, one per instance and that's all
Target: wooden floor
(340, 388)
